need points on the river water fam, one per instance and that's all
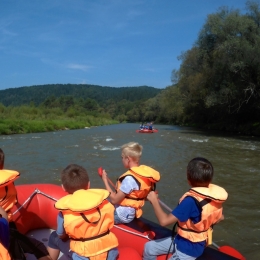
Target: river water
(40, 157)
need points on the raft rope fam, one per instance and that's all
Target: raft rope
(31, 196)
(134, 233)
(50, 197)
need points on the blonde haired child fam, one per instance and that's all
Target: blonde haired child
(133, 186)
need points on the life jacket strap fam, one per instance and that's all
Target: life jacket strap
(128, 197)
(85, 218)
(205, 202)
(191, 230)
(90, 238)
(138, 182)
(199, 205)
(202, 203)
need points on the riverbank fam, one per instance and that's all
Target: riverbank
(23, 126)
(250, 129)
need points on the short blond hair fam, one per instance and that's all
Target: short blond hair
(133, 150)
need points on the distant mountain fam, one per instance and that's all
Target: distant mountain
(37, 94)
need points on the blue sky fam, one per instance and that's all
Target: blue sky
(115, 43)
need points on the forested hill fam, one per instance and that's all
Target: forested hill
(37, 94)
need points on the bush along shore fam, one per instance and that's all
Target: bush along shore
(8, 126)
(31, 119)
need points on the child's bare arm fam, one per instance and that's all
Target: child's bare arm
(163, 218)
(115, 197)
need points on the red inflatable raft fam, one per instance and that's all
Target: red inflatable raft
(35, 215)
(147, 131)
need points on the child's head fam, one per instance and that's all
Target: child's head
(74, 177)
(132, 150)
(2, 159)
(199, 172)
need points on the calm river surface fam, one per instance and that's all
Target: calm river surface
(40, 157)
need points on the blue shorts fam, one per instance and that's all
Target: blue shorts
(56, 243)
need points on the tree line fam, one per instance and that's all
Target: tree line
(218, 83)
(101, 94)
(107, 106)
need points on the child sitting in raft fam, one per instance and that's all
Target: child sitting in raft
(84, 221)
(198, 210)
(19, 243)
(133, 186)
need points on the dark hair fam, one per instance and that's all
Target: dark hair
(2, 159)
(74, 177)
(200, 172)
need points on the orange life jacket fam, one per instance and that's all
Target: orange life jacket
(146, 177)
(88, 219)
(8, 193)
(210, 201)
(4, 255)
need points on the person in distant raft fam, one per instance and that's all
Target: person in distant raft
(85, 220)
(133, 186)
(19, 243)
(197, 211)
(150, 126)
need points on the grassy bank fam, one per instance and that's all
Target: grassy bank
(31, 119)
(24, 126)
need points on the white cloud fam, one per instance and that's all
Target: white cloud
(73, 66)
(78, 67)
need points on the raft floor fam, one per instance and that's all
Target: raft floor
(43, 236)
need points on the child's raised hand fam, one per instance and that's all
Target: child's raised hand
(104, 175)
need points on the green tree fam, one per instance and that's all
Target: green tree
(90, 104)
(219, 78)
(66, 102)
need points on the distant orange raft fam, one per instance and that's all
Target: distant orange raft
(146, 131)
(36, 216)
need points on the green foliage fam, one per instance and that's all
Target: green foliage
(218, 82)
(63, 94)
(8, 127)
(52, 102)
(171, 106)
(31, 119)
